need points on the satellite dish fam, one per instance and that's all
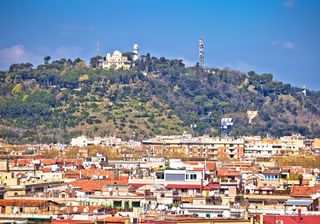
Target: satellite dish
(75, 209)
(153, 206)
(86, 209)
(211, 193)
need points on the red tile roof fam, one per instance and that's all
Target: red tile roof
(183, 186)
(22, 162)
(228, 173)
(48, 161)
(24, 202)
(76, 162)
(137, 185)
(305, 219)
(90, 173)
(197, 169)
(271, 172)
(298, 170)
(113, 220)
(46, 169)
(304, 190)
(97, 185)
(211, 165)
(212, 186)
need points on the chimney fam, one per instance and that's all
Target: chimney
(201, 185)
(261, 219)
(299, 215)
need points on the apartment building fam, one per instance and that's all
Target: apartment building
(203, 147)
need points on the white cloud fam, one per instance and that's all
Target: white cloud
(285, 45)
(17, 54)
(289, 45)
(188, 63)
(240, 65)
(289, 3)
(68, 52)
(71, 29)
(21, 54)
(13, 53)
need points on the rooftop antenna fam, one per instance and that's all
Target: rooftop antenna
(201, 51)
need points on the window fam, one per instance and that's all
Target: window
(193, 176)
(187, 176)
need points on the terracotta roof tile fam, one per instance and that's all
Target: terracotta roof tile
(304, 190)
(24, 202)
(97, 185)
(228, 173)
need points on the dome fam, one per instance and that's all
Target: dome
(135, 46)
(117, 53)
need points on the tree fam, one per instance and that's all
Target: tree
(176, 89)
(80, 65)
(16, 89)
(95, 61)
(52, 153)
(84, 78)
(47, 59)
(72, 152)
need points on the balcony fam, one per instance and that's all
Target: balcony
(229, 181)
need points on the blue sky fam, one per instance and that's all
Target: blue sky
(273, 36)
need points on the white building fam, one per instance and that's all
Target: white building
(135, 52)
(116, 61)
(82, 141)
(262, 148)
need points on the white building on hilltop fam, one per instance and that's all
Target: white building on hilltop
(135, 52)
(116, 61)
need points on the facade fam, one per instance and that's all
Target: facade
(147, 189)
(203, 147)
(116, 61)
(82, 141)
(263, 148)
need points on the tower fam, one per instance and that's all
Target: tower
(201, 51)
(135, 52)
(98, 49)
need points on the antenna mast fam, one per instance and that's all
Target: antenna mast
(98, 48)
(201, 51)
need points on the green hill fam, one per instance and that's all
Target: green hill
(65, 98)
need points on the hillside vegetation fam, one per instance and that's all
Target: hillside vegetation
(64, 98)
